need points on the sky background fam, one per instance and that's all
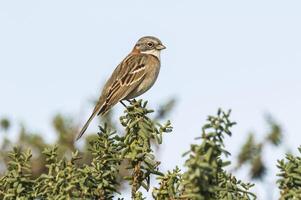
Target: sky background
(243, 55)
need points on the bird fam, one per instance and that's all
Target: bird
(135, 75)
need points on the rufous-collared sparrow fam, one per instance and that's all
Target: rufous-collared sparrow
(132, 77)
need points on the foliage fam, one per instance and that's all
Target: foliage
(69, 178)
(139, 131)
(206, 177)
(5, 124)
(113, 157)
(290, 177)
(65, 128)
(251, 152)
(169, 185)
(17, 182)
(97, 180)
(65, 180)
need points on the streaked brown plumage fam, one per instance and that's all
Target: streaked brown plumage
(132, 77)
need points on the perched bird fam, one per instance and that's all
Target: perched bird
(132, 77)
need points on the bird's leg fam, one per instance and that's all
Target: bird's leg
(123, 104)
(130, 102)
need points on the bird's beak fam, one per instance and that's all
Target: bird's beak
(160, 47)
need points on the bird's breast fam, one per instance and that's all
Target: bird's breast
(148, 80)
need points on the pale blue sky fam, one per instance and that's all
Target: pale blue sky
(55, 55)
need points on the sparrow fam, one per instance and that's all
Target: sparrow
(135, 75)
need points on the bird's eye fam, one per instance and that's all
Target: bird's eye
(150, 44)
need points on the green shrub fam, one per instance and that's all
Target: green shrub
(203, 176)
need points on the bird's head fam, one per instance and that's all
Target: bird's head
(149, 45)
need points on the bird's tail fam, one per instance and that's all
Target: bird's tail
(99, 109)
(82, 131)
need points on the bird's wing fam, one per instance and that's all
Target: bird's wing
(125, 78)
